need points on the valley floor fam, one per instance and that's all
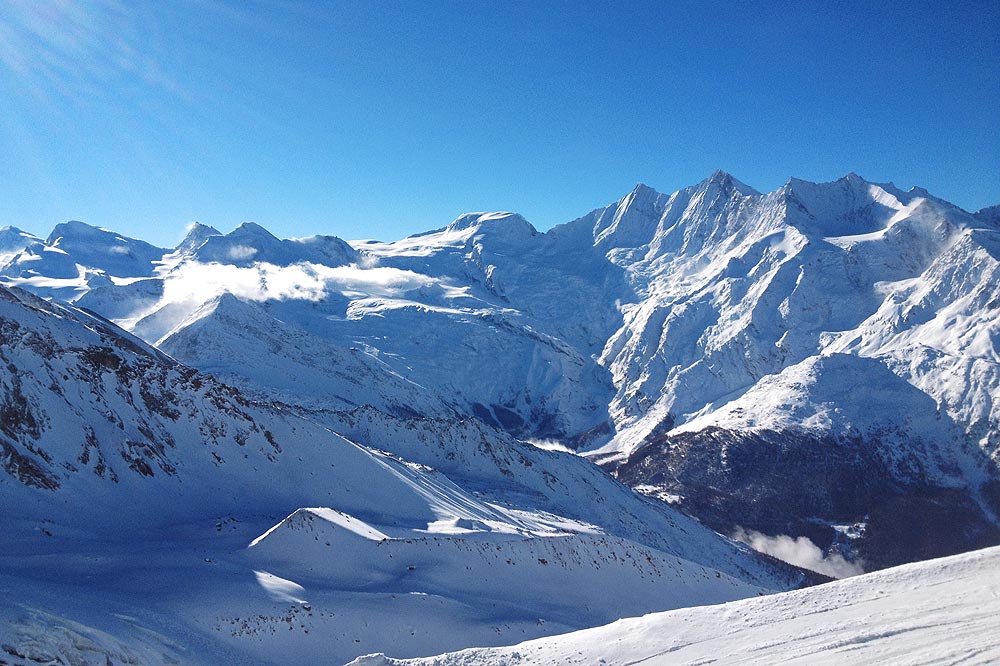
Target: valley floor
(944, 611)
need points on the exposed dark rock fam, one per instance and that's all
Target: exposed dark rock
(25, 469)
(800, 485)
(508, 418)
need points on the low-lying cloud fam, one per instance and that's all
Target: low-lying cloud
(197, 282)
(550, 445)
(240, 252)
(801, 552)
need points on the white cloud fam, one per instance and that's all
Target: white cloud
(377, 281)
(197, 282)
(549, 445)
(801, 552)
(238, 252)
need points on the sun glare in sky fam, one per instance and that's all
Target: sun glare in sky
(73, 53)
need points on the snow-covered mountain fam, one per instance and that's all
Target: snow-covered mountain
(819, 361)
(156, 515)
(814, 359)
(938, 612)
(14, 241)
(75, 258)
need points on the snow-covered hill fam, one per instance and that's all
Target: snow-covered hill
(938, 612)
(157, 515)
(818, 361)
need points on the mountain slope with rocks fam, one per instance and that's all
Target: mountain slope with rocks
(157, 515)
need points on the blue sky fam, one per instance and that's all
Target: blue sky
(381, 119)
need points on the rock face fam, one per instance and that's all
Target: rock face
(837, 492)
(819, 361)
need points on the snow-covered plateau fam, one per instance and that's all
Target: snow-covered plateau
(247, 449)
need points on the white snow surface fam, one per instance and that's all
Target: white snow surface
(936, 612)
(162, 516)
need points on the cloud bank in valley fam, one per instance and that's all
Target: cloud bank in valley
(800, 551)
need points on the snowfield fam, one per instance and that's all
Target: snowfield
(937, 612)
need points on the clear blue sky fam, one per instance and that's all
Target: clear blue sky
(381, 119)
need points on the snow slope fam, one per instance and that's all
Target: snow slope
(937, 612)
(159, 515)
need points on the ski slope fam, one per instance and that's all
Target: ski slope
(936, 612)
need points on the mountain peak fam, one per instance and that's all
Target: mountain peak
(642, 196)
(98, 249)
(799, 186)
(251, 230)
(76, 225)
(847, 206)
(205, 229)
(726, 182)
(74, 228)
(496, 221)
(14, 240)
(13, 233)
(251, 243)
(644, 189)
(849, 180)
(197, 233)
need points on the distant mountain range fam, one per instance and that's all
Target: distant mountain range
(822, 361)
